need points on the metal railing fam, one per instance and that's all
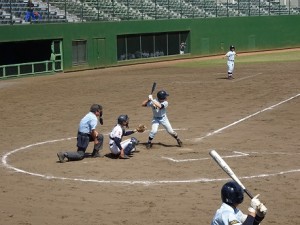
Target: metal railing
(14, 11)
(34, 68)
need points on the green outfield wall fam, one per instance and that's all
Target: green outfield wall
(208, 36)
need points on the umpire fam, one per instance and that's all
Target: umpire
(86, 133)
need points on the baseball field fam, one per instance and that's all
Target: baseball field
(252, 121)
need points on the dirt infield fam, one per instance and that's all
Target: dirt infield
(253, 120)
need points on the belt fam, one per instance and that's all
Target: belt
(159, 117)
(231, 60)
(83, 134)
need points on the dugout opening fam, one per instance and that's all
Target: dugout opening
(30, 57)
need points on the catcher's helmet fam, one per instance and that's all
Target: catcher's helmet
(162, 95)
(232, 193)
(122, 119)
(231, 47)
(95, 107)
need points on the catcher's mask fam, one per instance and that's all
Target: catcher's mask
(232, 193)
(162, 95)
(123, 119)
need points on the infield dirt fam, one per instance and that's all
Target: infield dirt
(164, 185)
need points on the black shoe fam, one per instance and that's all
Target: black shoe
(149, 145)
(61, 157)
(97, 155)
(124, 157)
(179, 142)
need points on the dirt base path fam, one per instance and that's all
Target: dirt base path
(253, 119)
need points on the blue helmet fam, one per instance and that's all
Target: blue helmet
(162, 95)
(122, 119)
(232, 193)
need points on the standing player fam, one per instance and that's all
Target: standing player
(228, 214)
(182, 47)
(117, 146)
(86, 133)
(230, 61)
(159, 106)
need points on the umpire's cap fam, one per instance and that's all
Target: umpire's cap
(95, 108)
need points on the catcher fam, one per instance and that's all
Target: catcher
(120, 148)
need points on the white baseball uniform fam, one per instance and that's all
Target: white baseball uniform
(160, 117)
(119, 133)
(230, 62)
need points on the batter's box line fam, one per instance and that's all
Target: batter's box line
(236, 155)
(243, 119)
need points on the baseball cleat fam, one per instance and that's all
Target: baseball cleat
(179, 142)
(97, 155)
(61, 156)
(124, 157)
(149, 145)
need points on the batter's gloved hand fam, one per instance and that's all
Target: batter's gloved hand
(141, 128)
(101, 120)
(150, 97)
(255, 202)
(261, 210)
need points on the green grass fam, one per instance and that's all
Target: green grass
(247, 59)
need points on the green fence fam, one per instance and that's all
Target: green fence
(81, 46)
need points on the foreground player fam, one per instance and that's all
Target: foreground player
(228, 214)
(159, 106)
(230, 61)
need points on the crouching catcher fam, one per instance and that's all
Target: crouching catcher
(119, 148)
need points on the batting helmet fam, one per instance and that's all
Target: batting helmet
(231, 47)
(162, 95)
(95, 107)
(122, 119)
(232, 193)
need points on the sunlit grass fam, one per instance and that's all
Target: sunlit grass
(287, 56)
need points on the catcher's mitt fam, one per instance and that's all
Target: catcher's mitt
(141, 128)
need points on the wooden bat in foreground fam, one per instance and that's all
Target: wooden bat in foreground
(228, 170)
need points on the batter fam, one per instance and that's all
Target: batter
(158, 107)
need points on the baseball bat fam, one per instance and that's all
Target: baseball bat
(228, 170)
(153, 88)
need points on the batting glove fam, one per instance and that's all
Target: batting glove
(255, 202)
(261, 210)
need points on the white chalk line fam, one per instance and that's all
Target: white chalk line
(247, 77)
(217, 74)
(4, 161)
(129, 182)
(243, 119)
(237, 154)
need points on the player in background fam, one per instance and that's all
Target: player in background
(228, 214)
(230, 55)
(158, 107)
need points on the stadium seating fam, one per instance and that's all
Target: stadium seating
(14, 11)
